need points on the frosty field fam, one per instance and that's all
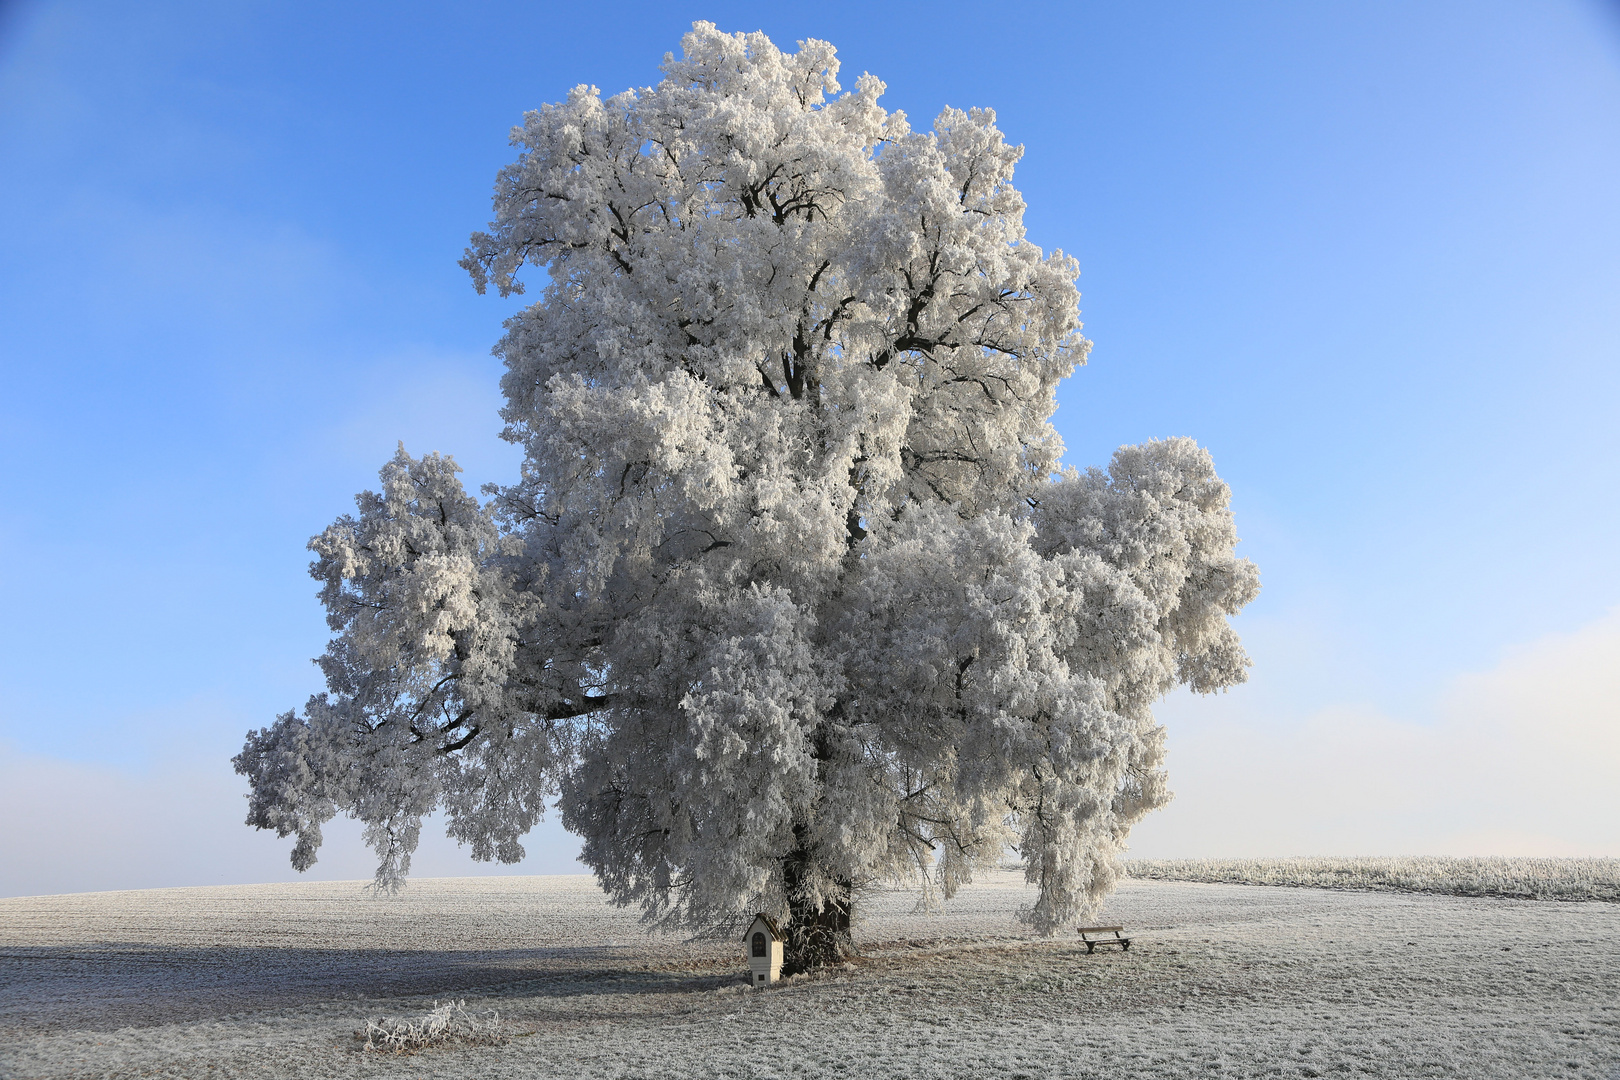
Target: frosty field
(1224, 980)
(1530, 879)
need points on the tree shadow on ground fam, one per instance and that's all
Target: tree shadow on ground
(113, 984)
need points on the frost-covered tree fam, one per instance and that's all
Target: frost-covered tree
(791, 596)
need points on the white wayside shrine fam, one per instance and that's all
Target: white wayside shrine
(764, 943)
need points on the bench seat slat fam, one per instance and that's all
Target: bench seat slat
(1086, 935)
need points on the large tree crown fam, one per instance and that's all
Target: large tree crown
(744, 230)
(791, 594)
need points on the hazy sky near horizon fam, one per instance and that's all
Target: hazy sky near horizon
(1367, 253)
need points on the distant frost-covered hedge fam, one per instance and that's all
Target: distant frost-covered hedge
(1534, 879)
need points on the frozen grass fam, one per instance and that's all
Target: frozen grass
(1530, 879)
(445, 1024)
(1221, 981)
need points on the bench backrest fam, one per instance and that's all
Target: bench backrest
(1098, 929)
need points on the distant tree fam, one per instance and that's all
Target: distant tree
(790, 597)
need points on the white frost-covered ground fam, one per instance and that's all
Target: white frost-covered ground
(1225, 980)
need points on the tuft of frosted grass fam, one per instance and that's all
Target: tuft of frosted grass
(447, 1023)
(1530, 879)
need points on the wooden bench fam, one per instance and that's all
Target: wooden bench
(1093, 936)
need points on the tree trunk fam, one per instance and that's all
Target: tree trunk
(817, 934)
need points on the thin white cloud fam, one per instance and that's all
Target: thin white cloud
(81, 827)
(1522, 759)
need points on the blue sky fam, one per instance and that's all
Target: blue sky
(1368, 253)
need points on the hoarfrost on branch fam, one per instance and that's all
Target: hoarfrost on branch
(791, 595)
